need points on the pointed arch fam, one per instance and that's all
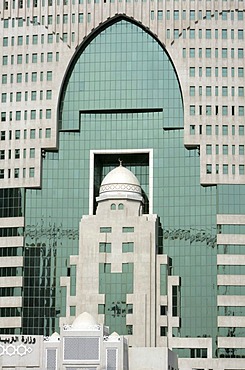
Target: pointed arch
(87, 41)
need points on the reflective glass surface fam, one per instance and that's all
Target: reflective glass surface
(124, 71)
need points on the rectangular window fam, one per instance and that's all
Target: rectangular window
(224, 110)
(17, 153)
(208, 33)
(224, 53)
(208, 149)
(192, 129)
(48, 113)
(241, 130)
(241, 111)
(5, 60)
(105, 229)
(18, 96)
(32, 133)
(176, 15)
(50, 38)
(192, 110)
(33, 95)
(127, 229)
(240, 15)
(225, 149)
(224, 92)
(3, 116)
(208, 169)
(34, 39)
(18, 115)
(4, 79)
(192, 14)
(240, 91)
(224, 15)
(240, 53)
(34, 20)
(192, 53)
(34, 76)
(225, 130)
(208, 129)
(127, 247)
(176, 34)
(208, 52)
(80, 18)
(208, 90)
(192, 34)
(192, 71)
(241, 169)
(49, 57)
(5, 41)
(17, 134)
(48, 133)
(49, 94)
(224, 72)
(192, 90)
(105, 247)
(240, 72)
(4, 97)
(50, 19)
(208, 110)
(208, 71)
(31, 172)
(49, 75)
(34, 58)
(241, 149)
(33, 114)
(224, 34)
(208, 14)
(240, 34)
(225, 169)
(19, 59)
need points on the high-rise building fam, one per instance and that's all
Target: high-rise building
(160, 85)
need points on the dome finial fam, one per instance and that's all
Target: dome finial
(120, 162)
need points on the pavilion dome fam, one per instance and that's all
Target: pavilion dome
(83, 321)
(120, 183)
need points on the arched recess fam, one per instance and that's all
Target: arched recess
(120, 80)
(88, 40)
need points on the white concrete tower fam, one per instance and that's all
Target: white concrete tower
(116, 266)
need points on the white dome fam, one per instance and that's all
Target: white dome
(114, 334)
(84, 320)
(120, 183)
(120, 175)
(55, 337)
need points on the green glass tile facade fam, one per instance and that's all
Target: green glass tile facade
(116, 286)
(122, 92)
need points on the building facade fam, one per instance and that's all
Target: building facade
(160, 85)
